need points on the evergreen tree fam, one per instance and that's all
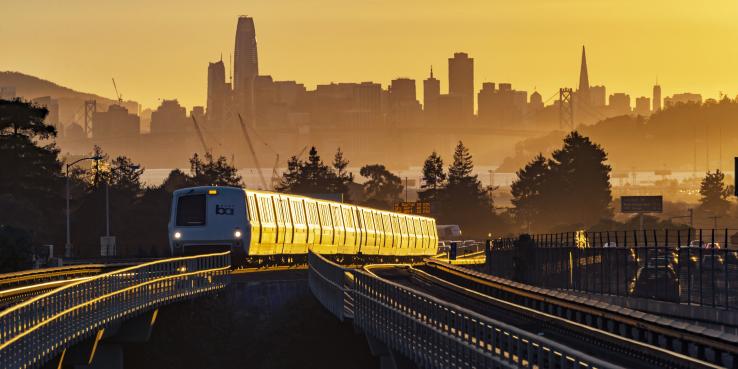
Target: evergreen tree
(125, 175)
(343, 177)
(312, 176)
(714, 194)
(31, 178)
(434, 177)
(464, 200)
(213, 172)
(571, 189)
(382, 189)
(528, 190)
(24, 118)
(579, 192)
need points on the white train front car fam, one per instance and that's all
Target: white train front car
(208, 219)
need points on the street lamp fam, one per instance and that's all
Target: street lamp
(68, 246)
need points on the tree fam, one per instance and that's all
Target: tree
(528, 190)
(125, 175)
(343, 177)
(571, 189)
(312, 176)
(714, 194)
(464, 201)
(579, 192)
(213, 172)
(15, 249)
(31, 180)
(434, 177)
(383, 188)
(24, 118)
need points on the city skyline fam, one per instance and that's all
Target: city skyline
(146, 73)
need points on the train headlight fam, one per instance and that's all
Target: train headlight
(177, 235)
(237, 234)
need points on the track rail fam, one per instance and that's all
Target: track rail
(663, 335)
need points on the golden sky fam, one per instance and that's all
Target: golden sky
(160, 49)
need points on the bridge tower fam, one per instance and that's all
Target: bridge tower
(90, 109)
(566, 108)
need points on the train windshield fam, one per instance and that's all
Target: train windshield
(191, 210)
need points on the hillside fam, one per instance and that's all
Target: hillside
(71, 102)
(685, 137)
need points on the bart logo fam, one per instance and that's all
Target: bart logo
(223, 209)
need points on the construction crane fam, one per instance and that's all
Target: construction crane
(200, 136)
(253, 152)
(117, 94)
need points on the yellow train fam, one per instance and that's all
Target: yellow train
(264, 225)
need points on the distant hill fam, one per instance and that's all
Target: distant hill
(71, 102)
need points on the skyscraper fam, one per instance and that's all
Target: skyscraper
(461, 81)
(218, 91)
(583, 91)
(431, 92)
(245, 66)
(656, 98)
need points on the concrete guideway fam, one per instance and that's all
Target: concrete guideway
(94, 309)
(429, 331)
(691, 345)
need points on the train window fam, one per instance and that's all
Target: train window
(191, 210)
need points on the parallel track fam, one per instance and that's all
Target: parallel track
(619, 350)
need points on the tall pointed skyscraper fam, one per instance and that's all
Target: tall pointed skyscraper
(583, 91)
(245, 66)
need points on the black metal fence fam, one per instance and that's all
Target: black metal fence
(686, 266)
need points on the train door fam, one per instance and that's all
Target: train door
(289, 229)
(402, 226)
(350, 229)
(280, 222)
(313, 224)
(379, 230)
(419, 236)
(326, 223)
(299, 226)
(268, 224)
(253, 215)
(339, 232)
(389, 235)
(411, 237)
(370, 234)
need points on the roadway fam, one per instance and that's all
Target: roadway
(618, 350)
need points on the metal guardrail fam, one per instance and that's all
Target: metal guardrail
(33, 276)
(331, 284)
(435, 333)
(36, 330)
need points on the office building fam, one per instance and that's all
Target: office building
(170, 117)
(619, 104)
(656, 98)
(461, 82)
(643, 106)
(431, 92)
(218, 93)
(245, 65)
(683, 98)
(116, 123)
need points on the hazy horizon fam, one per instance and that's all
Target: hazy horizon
(535, 45)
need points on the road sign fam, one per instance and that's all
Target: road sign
(413, 207)
(641, 204)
